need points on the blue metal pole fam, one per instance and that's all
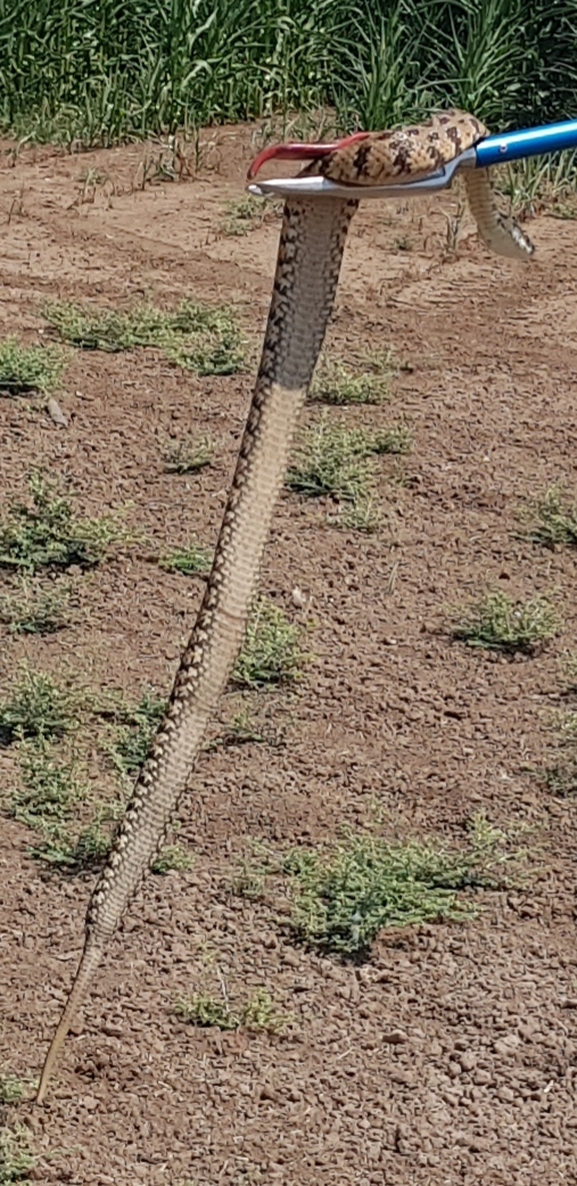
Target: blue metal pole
(511, 146)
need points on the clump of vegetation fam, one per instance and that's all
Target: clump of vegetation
(37, 707)
(335, 461)
(271, 652)
(550, 520)
(396, 439)
(190, 561)
(243, 729)
(34, 609)
(362, 515)
(540, 183)
(561, 776)
(188, 455)
(97, 81)
(29, 369)
(331, 460)
(245, 214)
(368, 382)
(199, 338)
(135, 728)
(498, 622)
(48, 801)
(258, 1012)
(72, 850)
(16, 1157)
(11, 1088)
(78, 851)
(250, 882)
(46, 533)
(343, 898)
(50, 789)
(172, 857)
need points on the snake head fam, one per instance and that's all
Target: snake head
(299, 152)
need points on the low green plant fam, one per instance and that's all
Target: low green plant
(11, 1088)
(271, 652)
(48, 801)
(498, 622)
(362, 515)
(172, 857)
(49, 788)
(243, 729)
(16, 1157)
(201, 338)
(250, 881)
(343, 898)
(187, 455)
(134, 730)
(258, 1012)
(244, 215)
(76, 851)
(190, 561)
(540, 183)
(37, 707)
(46, 533)
(33, 608)
(550, 520)
(333, 460)
(206, 1010)
(26, 369)
(396, 439)
(561, 777)
(367, 382)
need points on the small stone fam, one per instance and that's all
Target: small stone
(56, 414)
(507, 1046)
(395, 1037)
(481, 1078)
(89, 1102)
(506, 1095)
(467, 1060)
(291, 958)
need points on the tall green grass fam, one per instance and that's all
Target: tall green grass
(103, 70)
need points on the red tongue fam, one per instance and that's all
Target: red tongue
(299, 152)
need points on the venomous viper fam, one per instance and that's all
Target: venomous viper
(311, 246)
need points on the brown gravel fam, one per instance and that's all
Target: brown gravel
(450, 1058)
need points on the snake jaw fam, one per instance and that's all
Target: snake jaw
(300, 152)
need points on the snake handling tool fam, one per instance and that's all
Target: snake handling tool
(493, 150)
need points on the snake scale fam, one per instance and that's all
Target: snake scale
(312, 241)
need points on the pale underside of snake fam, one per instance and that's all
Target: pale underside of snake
(311, 246)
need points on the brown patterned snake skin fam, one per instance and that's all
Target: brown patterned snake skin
(311, 247)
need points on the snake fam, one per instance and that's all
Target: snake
(312, 241)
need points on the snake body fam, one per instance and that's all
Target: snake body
(310, 252)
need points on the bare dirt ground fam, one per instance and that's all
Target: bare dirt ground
(451, 1057)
